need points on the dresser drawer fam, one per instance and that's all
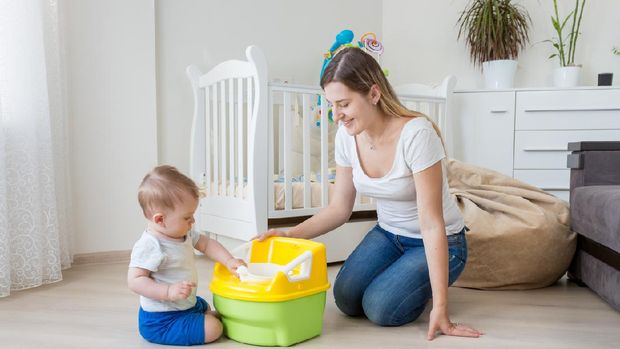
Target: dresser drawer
(547, 149)
(484, 129)
(545, 179)
(554, 182)
(593, 109)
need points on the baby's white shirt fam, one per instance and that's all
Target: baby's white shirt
(418, 148)
(169, 262)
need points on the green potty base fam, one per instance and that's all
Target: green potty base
(272, 323)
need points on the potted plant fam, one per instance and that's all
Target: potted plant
(495, 31)
(567, 75)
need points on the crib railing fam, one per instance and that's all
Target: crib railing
(293, 107)
(228, 134)
(228, 142)
(237, 153)
(291, 103)
(242, 137)
(280, 143)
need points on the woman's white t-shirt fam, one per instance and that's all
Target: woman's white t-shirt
(419, 147)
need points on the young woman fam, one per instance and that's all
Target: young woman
(394, 155)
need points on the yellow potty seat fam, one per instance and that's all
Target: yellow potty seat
(279, 298)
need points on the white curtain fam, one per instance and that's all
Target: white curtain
(35, 241)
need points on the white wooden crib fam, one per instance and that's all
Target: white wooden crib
(264, 160)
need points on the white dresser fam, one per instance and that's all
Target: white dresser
(524, 133)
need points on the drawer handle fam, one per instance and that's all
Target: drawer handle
(560, 109)
(545, 149)
(498, 111)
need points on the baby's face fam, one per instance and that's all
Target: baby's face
(180, 221)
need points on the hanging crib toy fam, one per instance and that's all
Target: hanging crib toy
(368, 43)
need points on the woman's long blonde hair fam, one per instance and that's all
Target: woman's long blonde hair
(359, 71)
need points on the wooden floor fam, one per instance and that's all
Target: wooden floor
(92, 308)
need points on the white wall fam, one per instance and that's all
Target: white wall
(111, 92)
(421, 42)
(121, 52)
(292, 34)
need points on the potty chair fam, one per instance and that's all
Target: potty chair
(279, 298)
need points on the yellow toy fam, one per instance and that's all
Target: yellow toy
(279, 298)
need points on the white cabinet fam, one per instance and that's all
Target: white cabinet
(484, 129)
(540, 124)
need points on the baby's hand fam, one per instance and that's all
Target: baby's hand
(234, 263)
(180, 290)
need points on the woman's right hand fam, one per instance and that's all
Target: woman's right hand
(269, 233)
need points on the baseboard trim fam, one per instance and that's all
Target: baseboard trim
(102, 257)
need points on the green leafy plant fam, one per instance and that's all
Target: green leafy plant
(616, 51)
(494, 29)
(565, 56)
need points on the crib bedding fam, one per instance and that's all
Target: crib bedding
(297, 189)
(279, 193)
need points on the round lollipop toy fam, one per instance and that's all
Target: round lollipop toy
(373, 46)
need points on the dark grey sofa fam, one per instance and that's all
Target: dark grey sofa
(595, 217)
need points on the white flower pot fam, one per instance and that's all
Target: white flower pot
(499, 74)
(566, 76)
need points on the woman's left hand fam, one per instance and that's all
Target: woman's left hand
(439, 321)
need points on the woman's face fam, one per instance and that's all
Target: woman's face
(355, 110)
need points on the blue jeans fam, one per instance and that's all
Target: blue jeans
(386, 277)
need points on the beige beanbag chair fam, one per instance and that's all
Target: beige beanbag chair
(519, 237)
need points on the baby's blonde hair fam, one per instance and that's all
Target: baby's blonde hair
(163, 188)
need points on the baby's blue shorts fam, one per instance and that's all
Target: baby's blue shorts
(182, 327)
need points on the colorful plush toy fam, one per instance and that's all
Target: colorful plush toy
(344, 39)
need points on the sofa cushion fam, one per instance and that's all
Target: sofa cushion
(595, 213)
